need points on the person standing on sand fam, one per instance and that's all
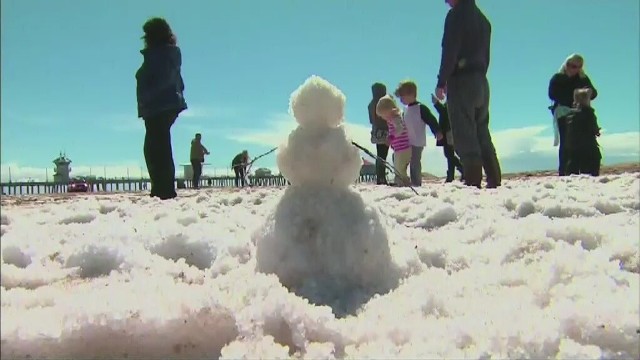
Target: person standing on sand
(159, 92)
(379, 132)
(562, 86)
(462, 78)
(198, 151)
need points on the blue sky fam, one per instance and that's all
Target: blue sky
(68, 73)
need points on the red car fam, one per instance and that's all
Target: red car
(78, 185)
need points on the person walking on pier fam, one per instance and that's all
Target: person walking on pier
(239, 166)
(198, 151)
(159, 92)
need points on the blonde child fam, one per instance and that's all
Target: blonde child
(387, 109)
(416, 116)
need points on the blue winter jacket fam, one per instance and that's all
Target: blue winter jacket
(159, 82)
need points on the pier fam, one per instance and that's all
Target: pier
(135, 185)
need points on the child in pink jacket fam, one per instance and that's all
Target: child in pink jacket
(398, 137)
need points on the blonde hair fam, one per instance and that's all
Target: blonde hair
(406, 87)
(385, 105)
(582, 97)
(573, 58)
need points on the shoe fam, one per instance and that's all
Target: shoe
(449, 177)
(473, 174)
(492, 169)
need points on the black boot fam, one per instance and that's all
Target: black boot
(450, 174)
(492, 169)
(473, 173)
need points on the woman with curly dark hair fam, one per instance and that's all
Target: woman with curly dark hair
(160, 100)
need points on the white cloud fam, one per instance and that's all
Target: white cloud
(213, 112)
(518, 149)
(131, 123)
(515, 145)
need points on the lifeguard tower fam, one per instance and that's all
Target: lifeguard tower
(187, 171)
(62, 169)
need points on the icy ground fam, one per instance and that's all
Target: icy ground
(541, 268)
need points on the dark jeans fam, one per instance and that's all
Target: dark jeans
(196, 165)
(382, 151)
(158, 154)
(452, 161)
(468, 103)
(240, 175)
(562, 151)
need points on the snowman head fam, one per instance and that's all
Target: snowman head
(317, 103)
(319, 152)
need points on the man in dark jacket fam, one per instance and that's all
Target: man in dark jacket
(462, 77)
(197, 153)
(447, 140)
(379, 132)
(159, 91)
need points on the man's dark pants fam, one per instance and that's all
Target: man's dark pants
(452, 161)
(382, 151)
(196, 165)
(240, 174)
(468, 97)
(158, 154)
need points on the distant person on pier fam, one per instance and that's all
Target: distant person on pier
(198, 151)
(239, 166)
(160, 100)
(562, 87)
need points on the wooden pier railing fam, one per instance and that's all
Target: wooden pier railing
(133, 185)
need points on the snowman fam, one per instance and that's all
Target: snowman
(322, 240)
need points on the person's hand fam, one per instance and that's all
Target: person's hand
(434, 99)
(441, 93)
(438, 136)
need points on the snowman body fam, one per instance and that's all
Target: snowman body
(322, 240)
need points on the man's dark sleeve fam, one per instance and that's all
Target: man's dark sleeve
(439, 108)
(451, 43)
(594, 92)
(429, 119)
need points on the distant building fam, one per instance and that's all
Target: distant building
(187, 171)
(368, 168)
(62, 169)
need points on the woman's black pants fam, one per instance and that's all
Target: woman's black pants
(158, 154)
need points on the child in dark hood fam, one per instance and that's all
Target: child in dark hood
(159, 91)
(379, 132)
(582, 130)
(446, 142)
